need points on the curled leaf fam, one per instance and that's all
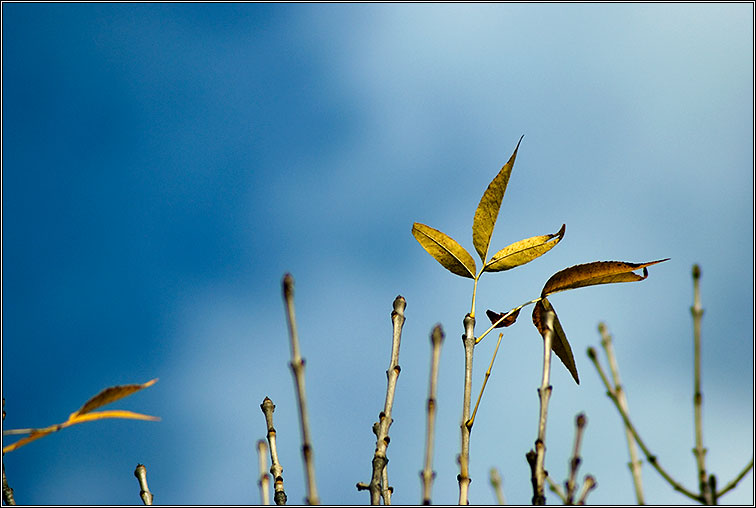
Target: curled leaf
(598, 272)
(559, 343)
(523, 251)
(445, 250)
(508, 320)
(488, 208)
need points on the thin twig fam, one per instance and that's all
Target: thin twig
(485, 381)
(427, 474)
(699, 451)
(635, 462)
(544, 394)
(8, 498)
(279, 495)
(735, 481)
(468, 340)
(297, 367)
(379, 485)
(141, 473)
(496, 483)
(651, 458)
(264, 481)
(589, 483)
(556, 489)
(580, 422)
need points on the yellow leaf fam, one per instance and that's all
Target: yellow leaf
(85, 414)
(109, 395)
(523, 251)
(445, 250)
(28, 439)
(559, 343)
(488, 208)
(113, 413)
(598, 272)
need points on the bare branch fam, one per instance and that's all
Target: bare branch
(297, 367)
(427, 474)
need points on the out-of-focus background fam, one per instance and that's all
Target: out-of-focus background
(165, 164)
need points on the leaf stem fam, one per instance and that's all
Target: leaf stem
(504, 317)
(485, 381)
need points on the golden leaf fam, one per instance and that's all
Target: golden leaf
(598, 272)
(488, 208)
(445, 250)
(523, 251)
(111, 394)
(85, 414)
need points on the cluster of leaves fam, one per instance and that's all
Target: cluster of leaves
(455, 258)
(87, 413)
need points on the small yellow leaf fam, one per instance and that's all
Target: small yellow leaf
(28, 439)
(113, 413)
(523, 251)
(445, 250)
(598, 272)
(109, 395)
(559, 343)
(488, 208)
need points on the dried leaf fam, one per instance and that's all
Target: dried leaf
(488, 208)
(109, 395)
(445, 250)
(523, 251)
(496, 316)
(598, 272)
(559, 343)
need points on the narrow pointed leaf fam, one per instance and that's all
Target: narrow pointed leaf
(28, 439)
(86, 413)
(559, 343)
(488, 208)
(445, 250)
(523, 251)
(598, 272)
(113, 413)
(109, 395)
(496, 316)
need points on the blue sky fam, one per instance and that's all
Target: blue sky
(165, 164)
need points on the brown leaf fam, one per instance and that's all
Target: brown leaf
(495, 316)
(598, 272)
(559, 343)
(109, 395)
